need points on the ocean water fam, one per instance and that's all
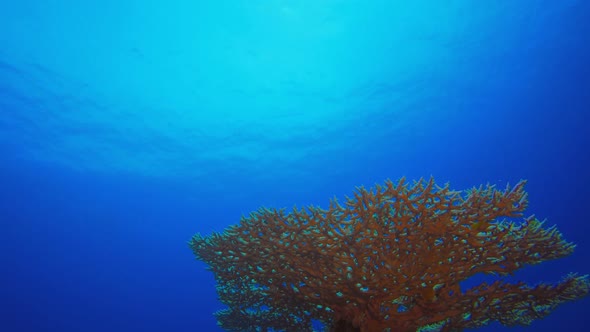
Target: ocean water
(128, 126)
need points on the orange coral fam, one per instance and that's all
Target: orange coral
(388, 259)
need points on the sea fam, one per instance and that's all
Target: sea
(127, 127)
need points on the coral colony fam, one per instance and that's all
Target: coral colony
(389, 259)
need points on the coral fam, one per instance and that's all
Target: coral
(387, 259)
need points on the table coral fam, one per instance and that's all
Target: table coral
(387, 259)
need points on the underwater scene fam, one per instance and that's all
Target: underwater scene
(297, 166)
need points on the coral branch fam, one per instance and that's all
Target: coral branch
(390, 258)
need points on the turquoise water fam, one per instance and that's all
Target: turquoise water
(128, 126)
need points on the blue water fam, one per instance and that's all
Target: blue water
(128, 126)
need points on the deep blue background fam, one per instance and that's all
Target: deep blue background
(125, 128)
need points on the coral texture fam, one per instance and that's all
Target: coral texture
(387, 259)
